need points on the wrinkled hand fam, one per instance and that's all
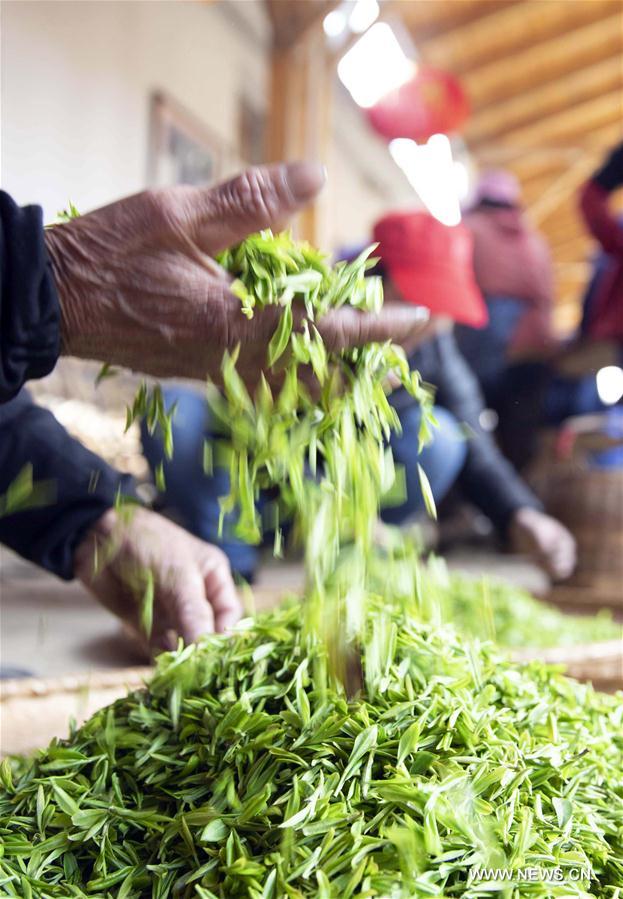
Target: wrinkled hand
(139, 288)
(193, 590)
(546, 539)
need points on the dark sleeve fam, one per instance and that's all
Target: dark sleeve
(488, 479)
(610, 175)
(79, 486)
(600, 220)
(29, 309)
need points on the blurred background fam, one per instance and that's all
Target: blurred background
(407, 102)
(100, 99)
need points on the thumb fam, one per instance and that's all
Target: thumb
(263, 197)
(191, 615)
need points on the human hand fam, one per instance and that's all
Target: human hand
(139, 288)
(546, 539)
(193, 590)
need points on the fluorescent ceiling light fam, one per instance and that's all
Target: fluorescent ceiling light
(432, 173)
(610, 384)
(374, 66)
(334, 23)
(364, 14)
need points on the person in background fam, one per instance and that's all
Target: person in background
(135, 284)
(603, 312)
(515, 356)
(426, 263)
(513, 269)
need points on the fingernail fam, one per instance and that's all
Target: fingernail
(305, 179)
(413, 313)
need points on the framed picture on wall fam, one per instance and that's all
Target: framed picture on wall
(182, 149)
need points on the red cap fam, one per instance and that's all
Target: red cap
(431, 265)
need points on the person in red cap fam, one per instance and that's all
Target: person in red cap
(513, 269)
(426, 263)
(516, 355)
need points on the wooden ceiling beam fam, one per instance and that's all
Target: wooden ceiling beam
(497, 36)
(578, 125)
(572, 241)
(543, 62)
(564, 228)
(560, 189)
(547, 99)
(533, 187)
(574, 248)
(546, 162)
(529, 163)
(427, 19)
(533, 166)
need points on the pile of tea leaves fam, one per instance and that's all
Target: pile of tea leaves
(232, 775)
(483, 607)
(491, 609)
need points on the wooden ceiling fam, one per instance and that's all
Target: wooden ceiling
(545, 80)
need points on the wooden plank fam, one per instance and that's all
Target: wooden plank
(567, 238)
(300, 112)
(563, 229)
(291, 21)
(496, 36)
(530, 164)
(560, 190)
(427, 19)
(548, 99)
(575, 246)
(543, 62)
(577, 124)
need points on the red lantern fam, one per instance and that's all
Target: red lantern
(432, 102)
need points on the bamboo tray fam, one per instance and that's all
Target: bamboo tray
(32, 711)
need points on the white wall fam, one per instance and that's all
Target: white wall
(364, 183)
(76, 82)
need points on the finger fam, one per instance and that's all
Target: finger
(221, 591)
(192, 616)
(163, 641)
(348, 327)
(263, 197)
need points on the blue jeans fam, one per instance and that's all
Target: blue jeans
(193, 496)
(565, 397)
(486, 348)
(190, 493)
(442, 460)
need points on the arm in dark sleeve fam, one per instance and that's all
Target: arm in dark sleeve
(599, 218)
(29, 308)
(610, 175)
(82, 486)
(594, 195)
(488, 479)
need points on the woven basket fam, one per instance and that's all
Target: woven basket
(33, 710)
(589, 502)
